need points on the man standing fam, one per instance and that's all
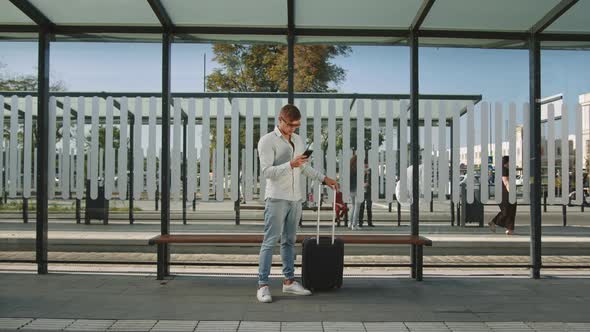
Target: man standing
(282, 162)
(368, 202)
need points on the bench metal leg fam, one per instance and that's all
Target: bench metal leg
(163, 261)
(78, 213)
(419, 263)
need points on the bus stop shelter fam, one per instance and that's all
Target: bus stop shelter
(530, 24)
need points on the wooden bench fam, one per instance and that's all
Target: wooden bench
(162, 241)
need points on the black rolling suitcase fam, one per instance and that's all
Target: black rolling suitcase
(323, 260)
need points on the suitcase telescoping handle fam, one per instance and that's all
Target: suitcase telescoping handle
(333, 215)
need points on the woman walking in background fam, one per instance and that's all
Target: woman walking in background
(507, 215)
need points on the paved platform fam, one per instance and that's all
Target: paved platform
(29, 324)
(100, 302)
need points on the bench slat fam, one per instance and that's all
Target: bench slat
(257, 238)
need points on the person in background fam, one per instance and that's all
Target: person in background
(507, 215)
(354, 221)
(367, 202)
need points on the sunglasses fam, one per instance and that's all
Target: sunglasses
(291, 125)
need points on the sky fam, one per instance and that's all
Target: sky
(498, 75)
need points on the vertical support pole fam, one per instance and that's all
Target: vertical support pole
(130, 164)
(42, 149)
(3, 199)
(564, 214)
(184, 184)
(544, 200)
(535, 153)
(414, 143)
(163, 249)
(399, 207)
(240, 175)
(157, 200)
(291, 50)
(78, 213)
(25, 210)
(419, 262)
(451, 172)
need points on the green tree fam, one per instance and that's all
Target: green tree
(18, 82)
(102, 134)
(263, 68)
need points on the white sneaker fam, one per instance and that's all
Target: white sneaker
(263, 295)
(295, 288)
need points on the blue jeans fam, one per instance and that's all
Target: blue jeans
(280, 221)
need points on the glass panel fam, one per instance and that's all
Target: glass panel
(499, 15)
(113, 12)
(261, 13)
(355, 14)
(462, 164)
(9, 14)
(565, 148)
(574, 20)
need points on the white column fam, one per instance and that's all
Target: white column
(205, 146)
(470, 145)
(220, 147)
(498, 152)
(138, 156)
(331, 160)
(390, 154)
(109, 169)
(484, 151)
(151, 150)
(248, 188)
(122, 175)
(28, 131)
(427, 157)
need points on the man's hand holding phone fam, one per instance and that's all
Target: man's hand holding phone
(302, 158)
(298, 161)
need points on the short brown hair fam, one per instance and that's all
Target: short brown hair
(290, 112)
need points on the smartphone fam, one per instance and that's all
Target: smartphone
(308, 151)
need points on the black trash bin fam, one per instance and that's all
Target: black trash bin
(471, 213)
(96, 208)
